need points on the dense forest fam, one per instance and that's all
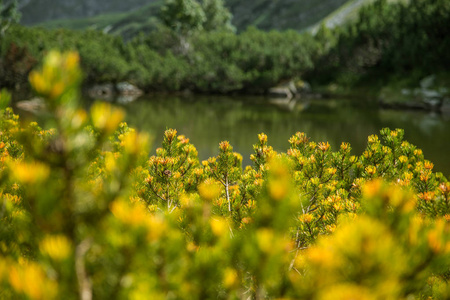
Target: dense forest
(201, 52)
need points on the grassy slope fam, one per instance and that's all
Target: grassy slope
(98, 22)
(264, 14)
(348, 11)
(127, 23)
(39, 11)
(281, 14)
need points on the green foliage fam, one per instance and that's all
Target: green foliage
(226, 168)
(183, 16)
(102, 56)
(46, 178)
(189, 16)
(217, 16)
(388, 38)
(5, 99)
(86, 213)
(209, 62)
(195, 48)
(344, 265)
(252, 61)
(172, 172)
(9, 14)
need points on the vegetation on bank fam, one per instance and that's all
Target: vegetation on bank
(388, 42)
(196, 49)
(87, 214)
(217, 62)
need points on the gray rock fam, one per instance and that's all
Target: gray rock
(103, 91)
(280, 92)
(109, 92)
(125, 88)
(291, 86)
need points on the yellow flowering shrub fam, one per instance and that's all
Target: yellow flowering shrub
(171, 172)
(86, 213)
(385, 253)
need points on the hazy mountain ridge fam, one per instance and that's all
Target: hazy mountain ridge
(281, 14)
(130, 17)
(38, 11)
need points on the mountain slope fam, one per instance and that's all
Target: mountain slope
(281, 14)
(38, 11)
(349, 11)
(133, 16)
(121, 23)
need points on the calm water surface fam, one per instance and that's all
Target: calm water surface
(207, 120)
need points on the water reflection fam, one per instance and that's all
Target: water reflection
(209, 120)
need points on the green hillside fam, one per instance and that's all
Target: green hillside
(281, 14)
(348, 11)
(264, 14)
(39, 11)
(123, 23)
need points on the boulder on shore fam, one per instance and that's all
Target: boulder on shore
(109, 91)
(428, 96)
(280, 92)
(127, 89)
(104, 91)
(287, 90)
